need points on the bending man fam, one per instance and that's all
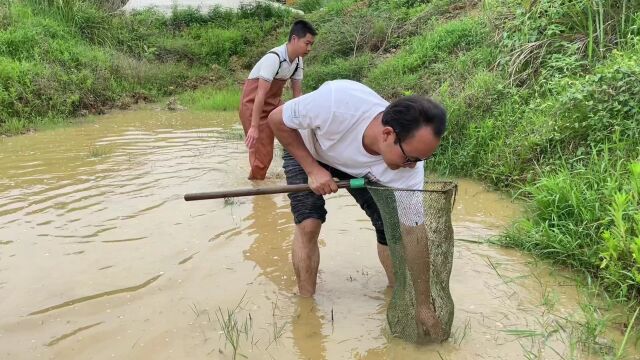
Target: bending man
(345, 130)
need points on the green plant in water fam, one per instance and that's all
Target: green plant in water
(14, 126)
(627, 334)
(234, 329)
(549, 299)
(277, 329)
(208, 99)
(591, 330)
(458, 335)
(234, 134)
(99, 151)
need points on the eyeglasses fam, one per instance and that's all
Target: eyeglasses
(408, 160)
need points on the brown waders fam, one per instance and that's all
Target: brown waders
(262, 153)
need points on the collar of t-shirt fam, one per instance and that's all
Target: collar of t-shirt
(284, 54)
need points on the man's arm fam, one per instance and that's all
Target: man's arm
(296, 87)
(320, 180)
(258, 105)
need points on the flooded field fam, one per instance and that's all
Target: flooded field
(100, 257)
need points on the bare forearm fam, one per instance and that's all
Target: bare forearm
(296, 88)
(258, 106)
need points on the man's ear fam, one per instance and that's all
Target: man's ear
(387, 132)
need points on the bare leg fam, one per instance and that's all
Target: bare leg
(306, 255)
(385, 260)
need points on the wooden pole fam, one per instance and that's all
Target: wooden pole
(258, 191)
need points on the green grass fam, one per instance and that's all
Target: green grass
(210, 99)
(354, 68)
(587, 217)
(567, 139)
(99, 151)
(234, 329)
(625, 340)
(61, 58)
(404, 72)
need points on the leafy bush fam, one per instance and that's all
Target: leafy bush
(605, 103)
(583, 29)
(587, 216)
(308, 6)
(350, 68)
(60, 57)
(401, 73)
(362, 31)
(214, 45)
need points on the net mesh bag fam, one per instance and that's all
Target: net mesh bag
(428, 212)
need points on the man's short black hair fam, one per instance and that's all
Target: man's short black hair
(301, 28)
(409, 113)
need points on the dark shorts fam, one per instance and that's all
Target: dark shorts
(307, 205)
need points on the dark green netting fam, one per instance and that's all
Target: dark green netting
(412, 212)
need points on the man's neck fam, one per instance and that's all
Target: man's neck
(290, 53)
(370, 140)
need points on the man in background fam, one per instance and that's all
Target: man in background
(262, 93)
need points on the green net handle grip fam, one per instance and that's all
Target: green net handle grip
(357, 183)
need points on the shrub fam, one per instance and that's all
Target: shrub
(350, 68)
(401, 73)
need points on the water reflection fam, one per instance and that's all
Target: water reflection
(306, 330)
(270, 223)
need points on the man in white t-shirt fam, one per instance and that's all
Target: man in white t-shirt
(344, 130)
(262, 92)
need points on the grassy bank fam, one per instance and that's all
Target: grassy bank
(543, 98)
(63, 59)
(212, 99)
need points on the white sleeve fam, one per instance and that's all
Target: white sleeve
(268, 67)
(309, 111)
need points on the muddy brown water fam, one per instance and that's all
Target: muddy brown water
(100, 257)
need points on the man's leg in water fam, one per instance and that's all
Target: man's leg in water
(308, 214)
(385, 259)
(364, 198)
(306, 255)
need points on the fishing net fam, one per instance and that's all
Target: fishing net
(416, 222)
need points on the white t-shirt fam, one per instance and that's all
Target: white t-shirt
(332, 121)
(267, 66)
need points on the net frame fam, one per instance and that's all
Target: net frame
(438, 199)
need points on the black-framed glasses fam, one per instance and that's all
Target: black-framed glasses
(408, 160)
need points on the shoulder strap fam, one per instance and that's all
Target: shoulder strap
(296, 69)
(279, 63)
